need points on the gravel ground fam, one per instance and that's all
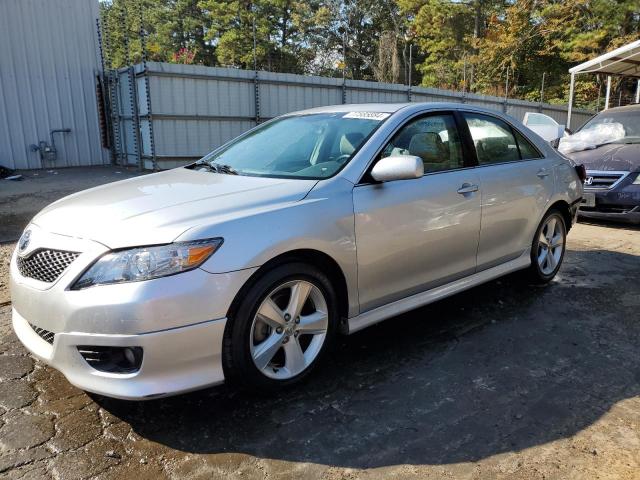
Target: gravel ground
(6, 249)
(503, 381)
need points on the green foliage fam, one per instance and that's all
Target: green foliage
(459, 44)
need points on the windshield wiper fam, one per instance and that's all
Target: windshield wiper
(218, 168)
(224, 168)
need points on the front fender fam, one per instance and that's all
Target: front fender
(322, 221)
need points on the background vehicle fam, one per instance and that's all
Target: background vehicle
(247, 263)
(545, 126)
(612, 186)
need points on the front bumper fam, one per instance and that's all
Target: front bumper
(178, 321)
(631, 215)
(174, 361)
(619, 203)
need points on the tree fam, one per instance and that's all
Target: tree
(171, 28)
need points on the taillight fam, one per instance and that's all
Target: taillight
(582, 172)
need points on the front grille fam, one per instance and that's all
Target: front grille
(603, 180)
(45, 265)
(46, 335)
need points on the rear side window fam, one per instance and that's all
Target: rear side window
(527, 151)
(493, 139)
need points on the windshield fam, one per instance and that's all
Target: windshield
(629, 120)
(311, 146)
(603, 129)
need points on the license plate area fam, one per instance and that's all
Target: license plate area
(588, 200)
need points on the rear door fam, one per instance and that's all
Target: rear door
(413, 235)
(517, 183)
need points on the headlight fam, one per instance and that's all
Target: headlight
(145, 263)
(637, 180)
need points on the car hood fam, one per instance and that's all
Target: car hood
(157, 208)
(612, 157)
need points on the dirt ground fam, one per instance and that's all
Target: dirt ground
(506, 380)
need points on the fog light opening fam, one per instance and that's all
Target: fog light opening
(130, 356)
(112, 359)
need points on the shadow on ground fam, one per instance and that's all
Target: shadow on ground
(500, 368)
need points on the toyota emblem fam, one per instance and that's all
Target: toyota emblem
(24, 241)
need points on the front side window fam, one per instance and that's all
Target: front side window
(433, 138)
(302, 146)
(492, 138)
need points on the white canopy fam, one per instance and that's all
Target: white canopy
(623, 61)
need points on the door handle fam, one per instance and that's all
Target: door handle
(542, 173)
(467, 188)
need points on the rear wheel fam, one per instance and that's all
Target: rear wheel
(281, 328)
(548, 247)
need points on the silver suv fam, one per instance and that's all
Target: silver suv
(245, 265)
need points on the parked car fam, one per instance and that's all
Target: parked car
(609, 147)
(545, 126)
(246, 264)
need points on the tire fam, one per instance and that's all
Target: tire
(545, 265)
(263, 342)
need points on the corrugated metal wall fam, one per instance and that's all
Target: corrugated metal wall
(49, 60)
(195, 109)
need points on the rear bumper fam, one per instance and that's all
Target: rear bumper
(174, 361)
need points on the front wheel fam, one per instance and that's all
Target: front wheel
(548, 247)
(281, 328)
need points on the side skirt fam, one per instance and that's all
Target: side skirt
(379, 314)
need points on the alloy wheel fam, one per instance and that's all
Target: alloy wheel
(289, 329)
(550, 245)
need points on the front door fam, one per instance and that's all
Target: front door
(413, 235)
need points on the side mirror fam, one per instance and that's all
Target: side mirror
(399, 167)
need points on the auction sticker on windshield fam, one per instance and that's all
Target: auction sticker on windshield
(368, 115)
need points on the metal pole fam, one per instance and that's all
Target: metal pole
(255, 44)
(544, 74)
(638, 92)
(410, 66)
(464, 76)
(570, 106)
(506, 90)
(344, 67)
(608, 94)
(256, 82)
(411, 63)
(123, 19)
(145, 73)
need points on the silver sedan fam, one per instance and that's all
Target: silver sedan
(245, 265)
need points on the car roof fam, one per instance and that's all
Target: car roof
(627, 108)
(356, 107)
(396, 107)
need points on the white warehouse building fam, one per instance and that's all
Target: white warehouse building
(49, 67)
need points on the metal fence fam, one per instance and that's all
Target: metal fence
(164, 115)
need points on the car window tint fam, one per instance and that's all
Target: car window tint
(492, 138)
(527, 151)
(434, 139)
